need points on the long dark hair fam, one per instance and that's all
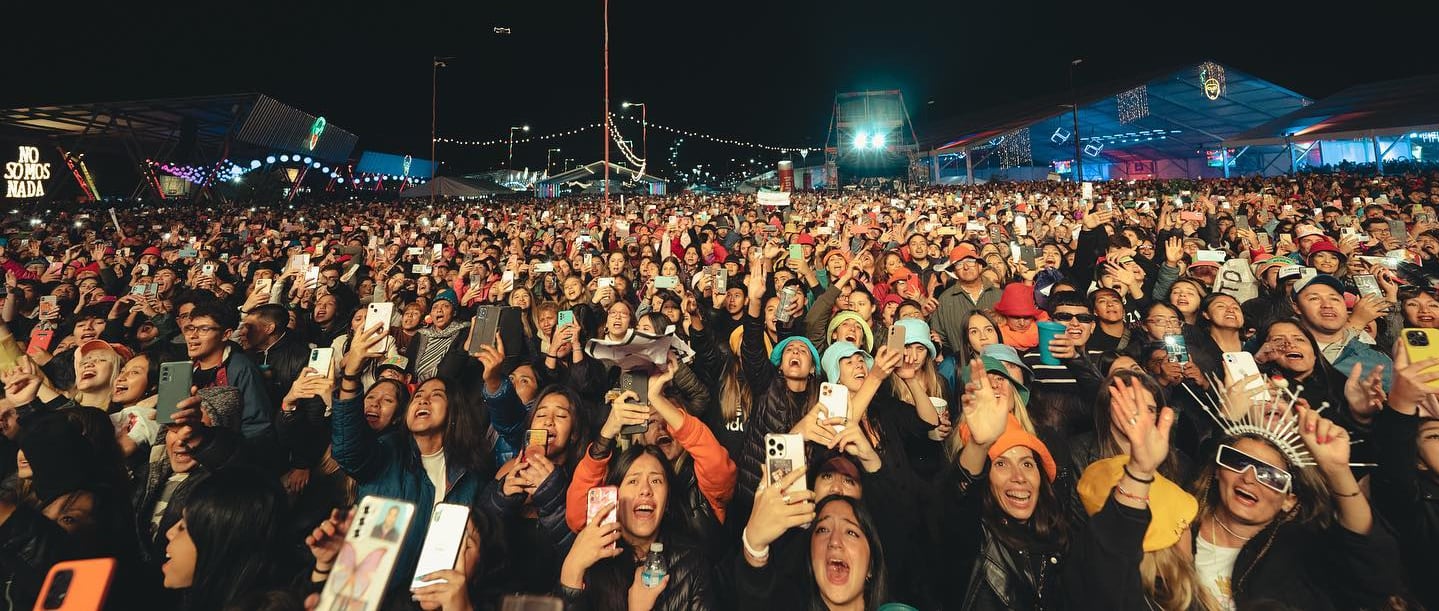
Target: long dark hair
(579, 431)
(609, 580)
(876, 585)
(234, 518)
(465, 424)
(1047, 525)
(1104, 439)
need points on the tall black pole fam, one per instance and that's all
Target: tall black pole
(1074, 106)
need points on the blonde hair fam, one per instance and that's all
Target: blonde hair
(99, 398)
(734, 392)
(928, 378)
(1170, 581)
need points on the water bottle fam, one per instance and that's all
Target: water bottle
(655, 569)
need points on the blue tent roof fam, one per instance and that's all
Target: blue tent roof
(1385, 108)
(1170, 117)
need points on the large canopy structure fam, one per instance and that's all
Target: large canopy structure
(446, 186)
(590, 179)
(1167, 123)
(203, 139)
(1372, 122)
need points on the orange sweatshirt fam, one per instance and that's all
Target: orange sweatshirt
(714, 471)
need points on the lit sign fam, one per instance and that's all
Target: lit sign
(1211, 88)
(316, 128)
(26, 177)
(406, 166)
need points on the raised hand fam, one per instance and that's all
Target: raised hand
(1148, 440)
(983, 412)
(595, 542)
(776, 510)
(327, 538)
(1326, 441)
(1365, 394)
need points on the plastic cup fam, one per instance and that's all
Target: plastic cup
(940, 405)
(1048, 330)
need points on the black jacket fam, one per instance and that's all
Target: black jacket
(1408, 499)
(690, 587)
(1102, 570)
(1316, 569)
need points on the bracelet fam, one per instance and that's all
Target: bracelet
(324, 572)
(1118, 489)
(1137, 478)
(1347, 496)
(345, 377)
(754, 553)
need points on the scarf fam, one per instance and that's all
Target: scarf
(1021, 341)
(437, 343)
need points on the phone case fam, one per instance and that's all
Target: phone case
(76, 585)
(565, 317)
(1421, 344)
(40, 340)
(321, 360)
(485, 325)
(174, 387)
(442, 542)
(896, 339)
(1240, 365)
(835, 399)
(1176, 349)
(784, 452)
(599, 497)
(367, 557)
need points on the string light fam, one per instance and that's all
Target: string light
(1211, 80)
(1133, 104)
(525, 140)
(675, 130)
(1014, 149)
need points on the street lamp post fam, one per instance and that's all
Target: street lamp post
(510, 160)
(439, 62)
(1074, 100)
(548, 154)
(644, 127)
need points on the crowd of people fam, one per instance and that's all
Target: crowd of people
(1179, 395)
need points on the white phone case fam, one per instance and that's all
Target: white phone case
(835, 399)
(442, 542)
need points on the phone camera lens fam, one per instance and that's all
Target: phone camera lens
(1418, 338)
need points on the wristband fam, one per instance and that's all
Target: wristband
(1137, 478)
(324, 572)
(754, 553)
(345, 377)
(1122, 492)
(1346, 496)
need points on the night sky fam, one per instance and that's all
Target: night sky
(758, 71)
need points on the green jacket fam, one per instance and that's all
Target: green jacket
(955, 306)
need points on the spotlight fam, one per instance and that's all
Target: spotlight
(308, 160)
(255, 165)
(270, 159)
(877, 142)
(861, 140)
(284, 159)
(315, 164)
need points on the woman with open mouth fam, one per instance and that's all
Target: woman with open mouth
(1271, 529)
(1289, 351)
(603, 568)
(1003, 528)
(846, 565)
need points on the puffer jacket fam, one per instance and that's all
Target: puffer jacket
(538, 547)
(607, 583)
(776, 409)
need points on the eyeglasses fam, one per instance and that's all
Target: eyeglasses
(1068, 316)
(1166, 321)
(1270, 476)
(199, 329)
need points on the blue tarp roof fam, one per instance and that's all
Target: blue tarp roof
(1385, 108)
(1181, 120)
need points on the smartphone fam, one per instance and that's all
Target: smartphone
(1240, 365)
(596, 499)
(174, 387)
(367, 557)
(40, 341)
(322, 360)
(76, 585)
(639, 383)
(1176, 349)
(1029, 255)
(565, 317)
(49, 307)
(835, 399)
(507, 278)
(1422, 344)
(721, 280)
(484, 326)
(138, 289)
(784, 452)
(796, 251)
(604, 282)
(208, 269)
(589, 261)
(264, 285)
(442, 542)
(895, 342)
(544, 268)
(312, 277)
(666, 282)
(537, 437)
(1368, 285)
(1241, 221)
(413, 251)
(1399, 231)
(189, 253)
